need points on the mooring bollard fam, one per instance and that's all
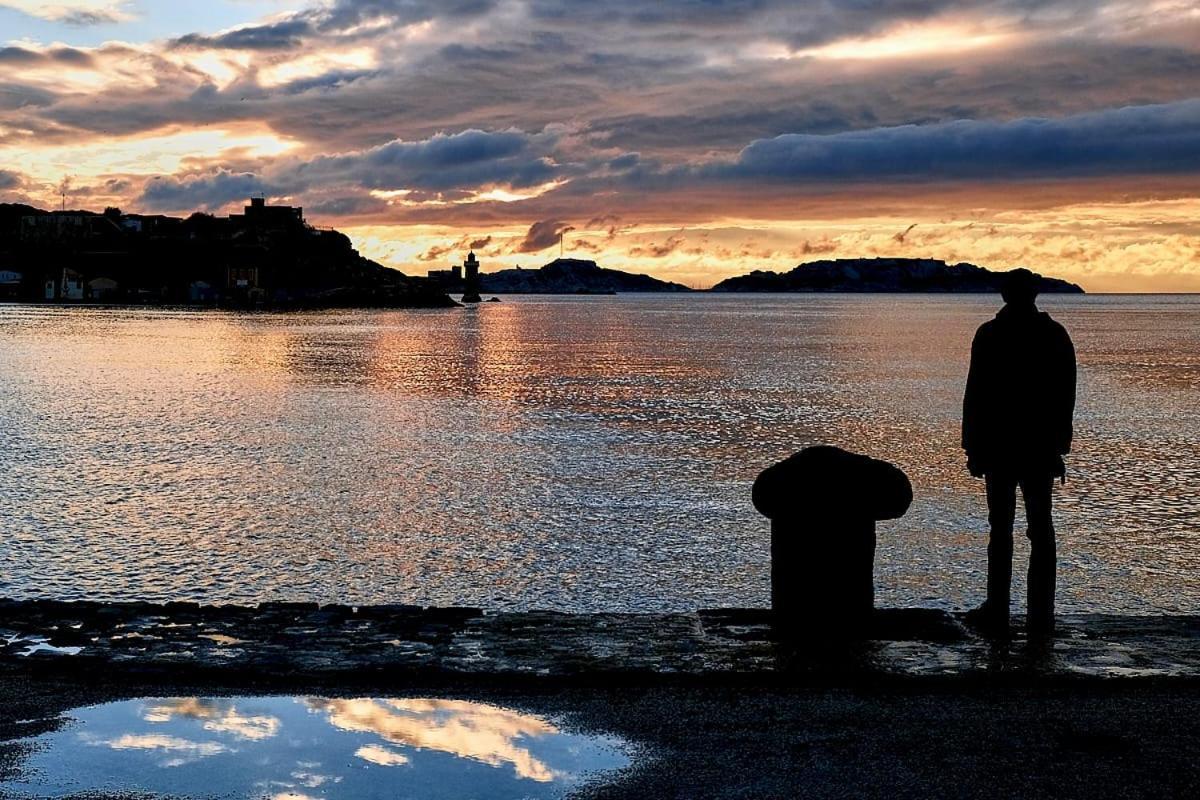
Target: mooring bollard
(823, 503)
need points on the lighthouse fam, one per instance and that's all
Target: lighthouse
(471, 279)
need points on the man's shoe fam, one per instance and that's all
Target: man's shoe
(989, 619)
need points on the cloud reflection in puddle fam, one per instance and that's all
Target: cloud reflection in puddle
(298, 747)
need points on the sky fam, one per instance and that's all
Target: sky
(687, 139)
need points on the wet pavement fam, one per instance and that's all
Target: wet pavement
(461, 644)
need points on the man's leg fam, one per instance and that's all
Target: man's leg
(1002, 505)
(1042, 557)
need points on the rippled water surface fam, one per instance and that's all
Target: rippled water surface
(576, 453)
(302, 748)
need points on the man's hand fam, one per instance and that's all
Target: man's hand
(974, 467)
(1059, 469)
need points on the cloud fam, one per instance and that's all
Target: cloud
(542, 234)
(436, 67)
(436, 253)
(902, 235)
(75, 12)
(809, 247)
(653, 250)
(347, 205)
(10, 180)
(479, 244)
(382, 756)
(1132, 140)
(209, 192)
(332, 19)
(62, 55)
(464, 160)
(283, 35)
(344, 14)
(18, 55)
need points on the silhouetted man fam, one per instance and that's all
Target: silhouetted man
(1017, 413)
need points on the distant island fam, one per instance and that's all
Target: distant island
(560, 276)
(270, 257)
(267, 257)
(579, 276)
(882, 275)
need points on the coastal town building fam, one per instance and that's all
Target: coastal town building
(451, 276)
(68, 227)
(267, 255)
(10, 284)
(103, 289)
(67, 284)
(260, 215)
(111, 256)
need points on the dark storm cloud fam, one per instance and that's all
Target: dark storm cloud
(208, 192)
(62, 55)
(799, 25)
(10, 180)
(19, 55)
(343, 14)
(70, 55)
(347, 206)
(542, 234)
(1140, 139)
(624, 162)
(631, 99)
(597, 69)
(467, 147)
(441, 169)
(462, 160)
(81, 18)
(327, 82)
(282, 35)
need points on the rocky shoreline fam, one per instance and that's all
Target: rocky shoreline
(465, 646)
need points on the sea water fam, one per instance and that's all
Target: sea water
(575, 453)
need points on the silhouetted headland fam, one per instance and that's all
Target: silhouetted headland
(883, 275)
(267, 257)
(560, 276)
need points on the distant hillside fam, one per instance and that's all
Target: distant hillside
(572, 276)
(881, 275)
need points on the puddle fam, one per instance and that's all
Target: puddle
(38, 644)
(311, 747)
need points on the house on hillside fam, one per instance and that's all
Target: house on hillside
(103, 289)
(10, 284)
(261, 216)
(70, 286)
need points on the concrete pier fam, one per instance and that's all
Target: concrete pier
(462, 645)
